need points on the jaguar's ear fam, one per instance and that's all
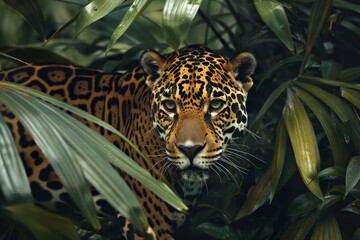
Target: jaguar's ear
(243, 66)
(152, 63)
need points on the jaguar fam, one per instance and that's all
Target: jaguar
(181, 110)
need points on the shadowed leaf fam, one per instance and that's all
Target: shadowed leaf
(351, 95)
(352, 174)
(273, 14)
(326, 228)
(278, 157)
(300, 229)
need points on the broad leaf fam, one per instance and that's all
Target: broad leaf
(95, 10)
(54, 147)
(328, 82)
(273, 14)
(326, 228)
(177, 17)
(303, 141)
(14, 184)
(352, 174)
(337, 142)
(217, 231)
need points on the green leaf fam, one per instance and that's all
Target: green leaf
(177, 17)
(278, 157)
(219, 232)
(332, 172)
(337, 141)
(351, 95)
(347, 5)
(135, 9)
(322, 81)
(118, 158)
(256, 196)
(34, 118)
(356, 235)
(95, 10)
(32, 13)
(350, 74)
(14, 184)
(330, 69)
(353, 207)
(303, 141)
(300, 229)
(318, 16)
(43, 224)
(274, 16)
(352, 174)
(326, 228)
(303, 204)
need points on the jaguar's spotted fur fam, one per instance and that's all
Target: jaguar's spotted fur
(187, 106)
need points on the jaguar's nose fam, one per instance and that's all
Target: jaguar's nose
(190, 151)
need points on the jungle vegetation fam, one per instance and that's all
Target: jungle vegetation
(299, 158)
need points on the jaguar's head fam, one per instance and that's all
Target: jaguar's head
(198, 104)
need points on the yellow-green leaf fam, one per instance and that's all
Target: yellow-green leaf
(177, 17)
(94, 11)
(327, 228)
(278, 157)
(135, 9)
(256, 196)
(273, 14)
(303, 141)
(351, 95)
(336, 139)
(300, 229)
(43, 224)
(328, 82)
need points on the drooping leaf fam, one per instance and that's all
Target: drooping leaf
(14, 184)
(330, 69)
(43, 224)
(350, 74)
(61, 156)
(303, 141)
(31, 11)
(337, 142)
(326, 228)
(352, 174)
(94, 11)
(135, 9)
(353, 207)
(341, 109)
(300, 229)
(274, 16)
(256, 196)
(177, 17)
(118, 158)
(318, 16)
(278, 157)
(351, 95)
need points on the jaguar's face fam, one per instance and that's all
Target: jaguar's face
(198, 105)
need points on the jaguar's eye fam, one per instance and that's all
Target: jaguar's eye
(169, 106)
(216, 104)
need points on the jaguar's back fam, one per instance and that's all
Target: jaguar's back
(186, 106)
